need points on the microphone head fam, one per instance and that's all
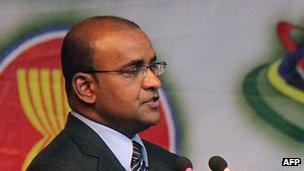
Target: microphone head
(217, 163)
(182, 163)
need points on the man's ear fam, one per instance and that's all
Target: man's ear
(83, 85)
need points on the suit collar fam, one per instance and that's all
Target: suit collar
(119, 144)
(91, 144)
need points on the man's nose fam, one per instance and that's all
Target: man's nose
(151, 81)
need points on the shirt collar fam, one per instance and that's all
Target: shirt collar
(119, 144)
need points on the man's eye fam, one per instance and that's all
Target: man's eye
(135, 69)
(154, 66)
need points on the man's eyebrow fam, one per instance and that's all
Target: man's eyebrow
(138, 62)
(133, 63)
(153, 59)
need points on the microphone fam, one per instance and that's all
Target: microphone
(217, 163)
(183, 164)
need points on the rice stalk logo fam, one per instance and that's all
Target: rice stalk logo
(276, 90)
(33, 103)
(42, 98)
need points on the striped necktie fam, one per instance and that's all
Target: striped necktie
(137, 163)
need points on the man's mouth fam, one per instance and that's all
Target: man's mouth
(155, 98)
(153, 102)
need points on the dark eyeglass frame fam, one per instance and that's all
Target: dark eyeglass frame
(136, 69)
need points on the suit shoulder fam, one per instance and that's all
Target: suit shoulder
(61, 153)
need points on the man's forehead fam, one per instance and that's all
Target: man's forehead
(114, 37)
(127, 46)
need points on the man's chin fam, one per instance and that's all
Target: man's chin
(151, 120)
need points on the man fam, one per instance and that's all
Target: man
(111, 77)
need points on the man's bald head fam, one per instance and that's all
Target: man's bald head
(78, 45)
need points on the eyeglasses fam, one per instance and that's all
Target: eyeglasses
(157, 68)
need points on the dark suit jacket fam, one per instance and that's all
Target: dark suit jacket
(78, 147)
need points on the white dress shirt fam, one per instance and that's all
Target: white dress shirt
(120, 145)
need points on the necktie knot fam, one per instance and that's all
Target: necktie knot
(137, 163)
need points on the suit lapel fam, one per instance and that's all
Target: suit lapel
(158, 160)
(92, 145)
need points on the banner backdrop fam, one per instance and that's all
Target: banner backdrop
(234, 85)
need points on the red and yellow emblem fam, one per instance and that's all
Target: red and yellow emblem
(33, 103)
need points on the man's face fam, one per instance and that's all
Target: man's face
(127, 103)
